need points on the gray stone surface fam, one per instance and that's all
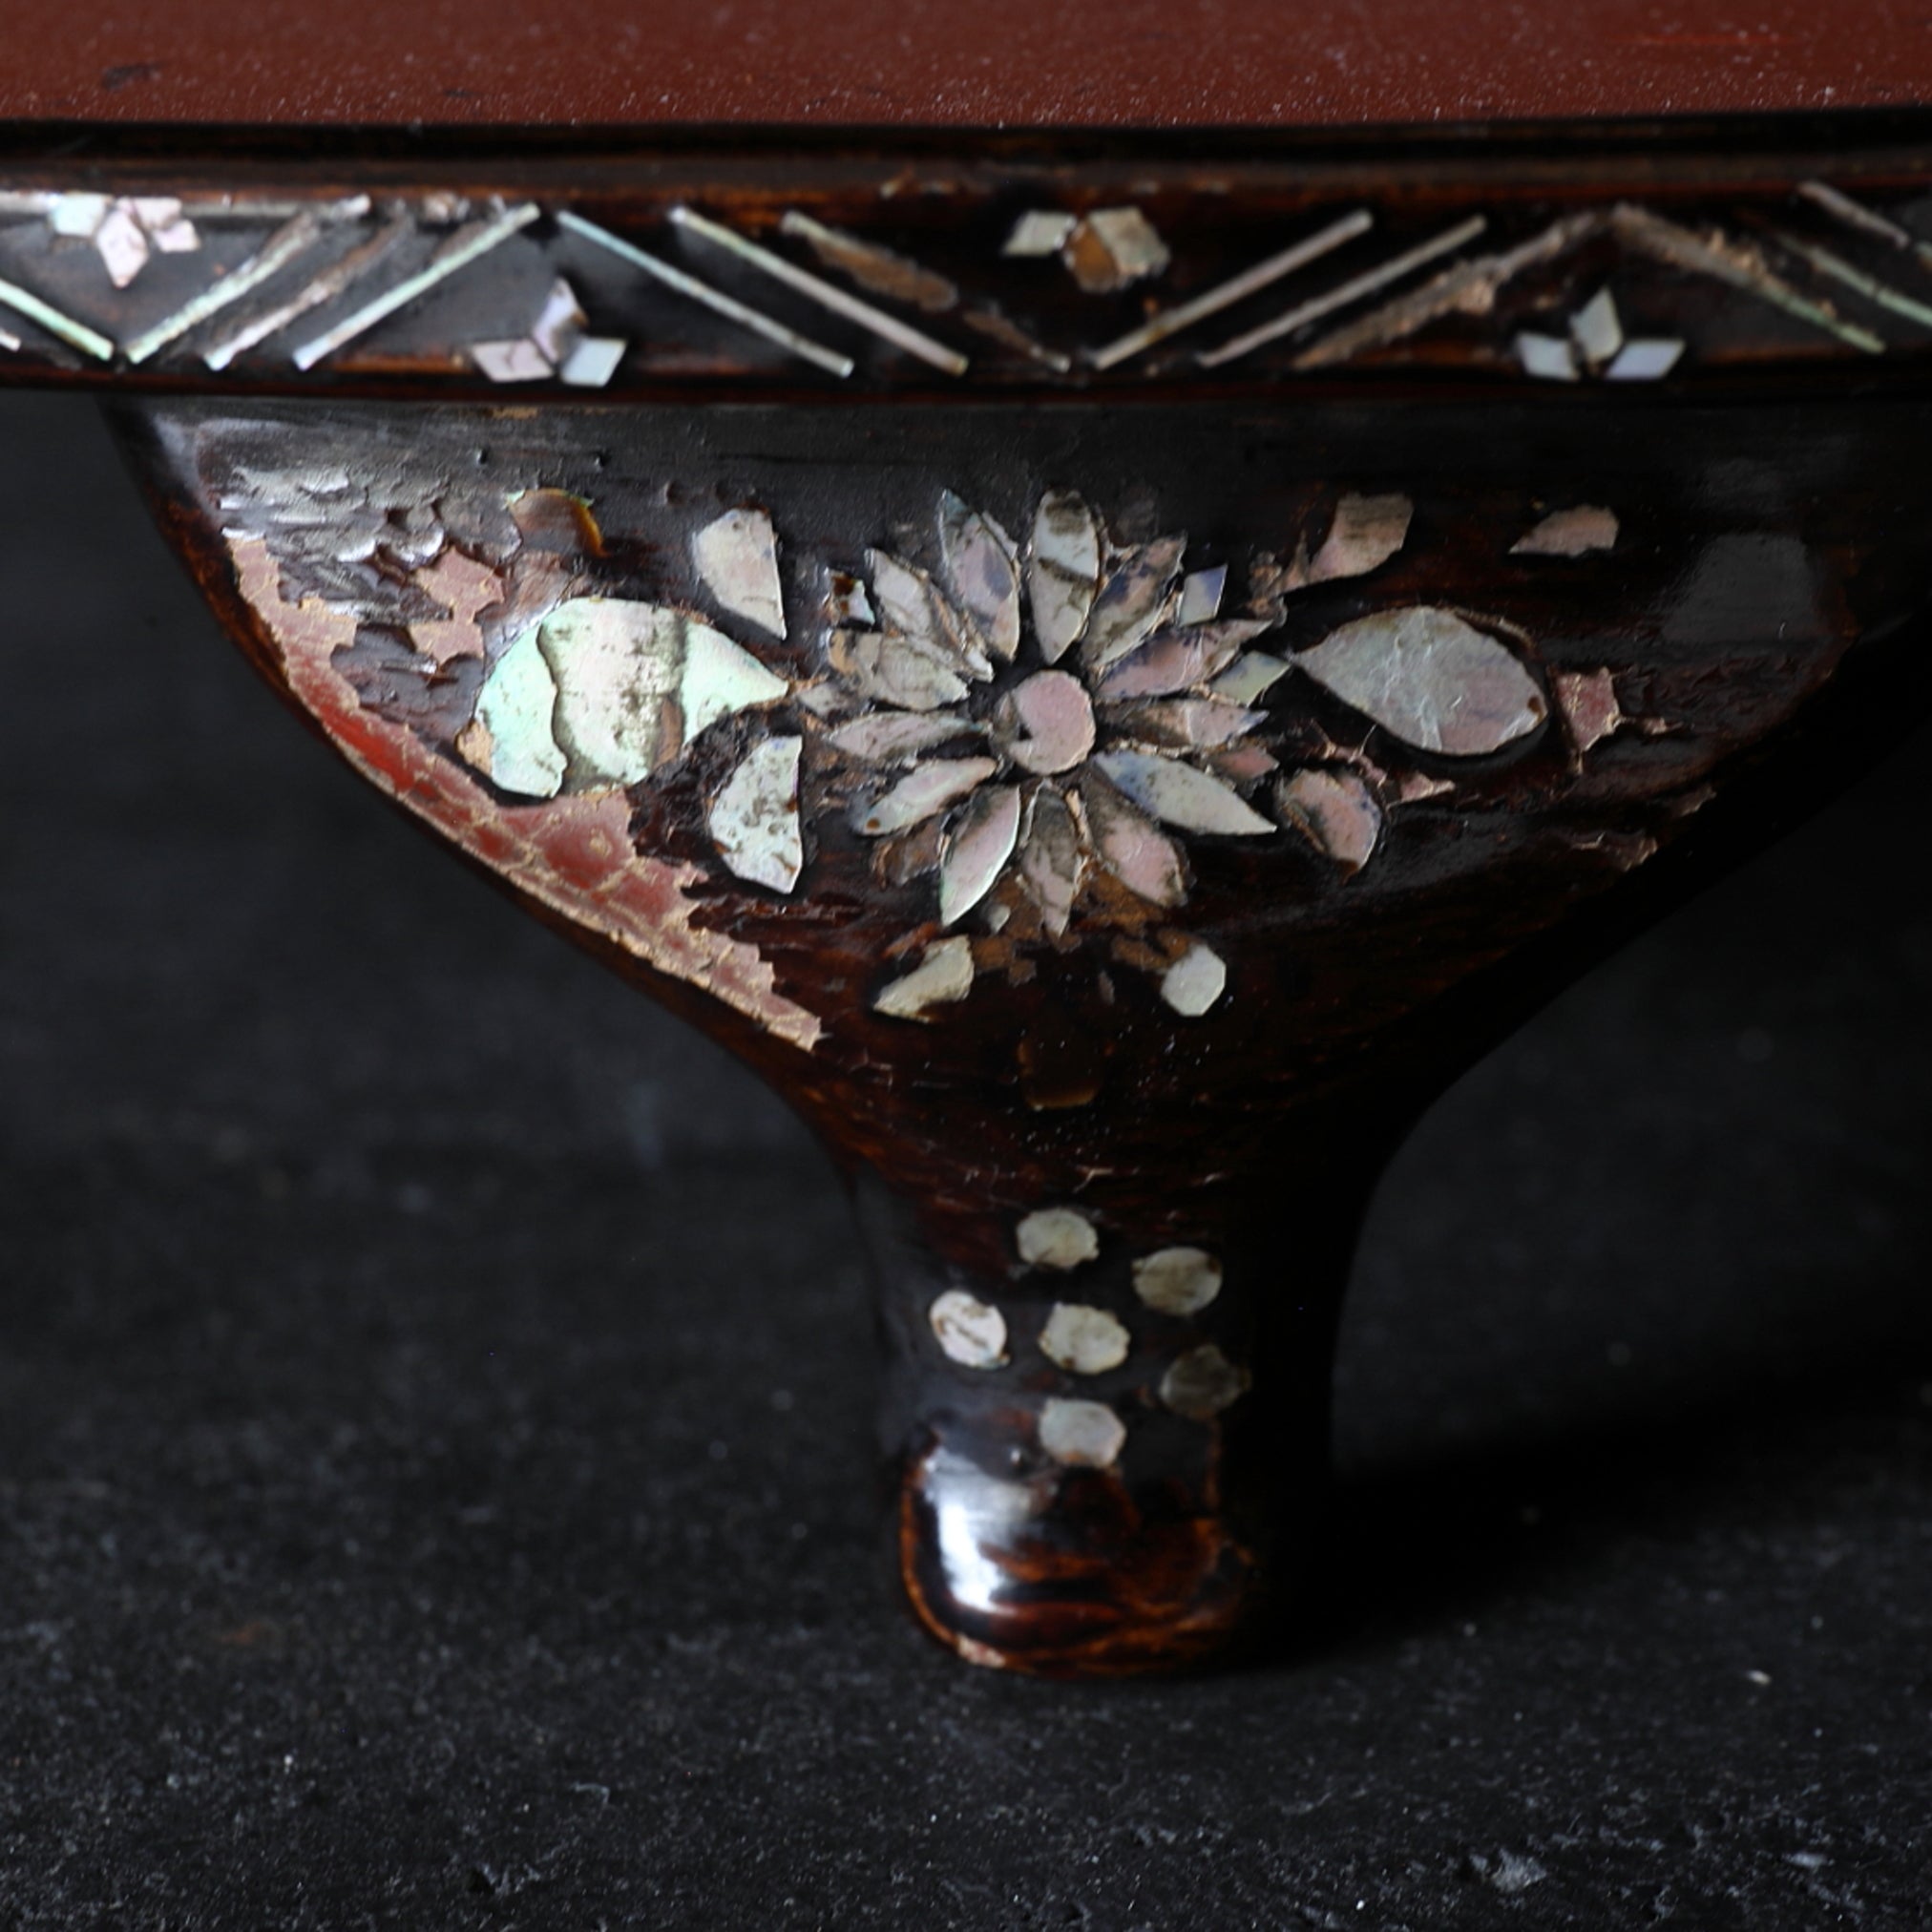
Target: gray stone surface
(434, 1478)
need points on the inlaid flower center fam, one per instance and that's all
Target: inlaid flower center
(1045, 723)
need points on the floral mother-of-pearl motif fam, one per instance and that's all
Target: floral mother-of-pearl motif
(1042, 734)
(1046, 731)
(1036, 743)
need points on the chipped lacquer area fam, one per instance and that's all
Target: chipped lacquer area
(1107, 827)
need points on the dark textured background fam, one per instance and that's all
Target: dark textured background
(434, 1473)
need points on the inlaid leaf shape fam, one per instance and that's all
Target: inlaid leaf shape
(1431, 679)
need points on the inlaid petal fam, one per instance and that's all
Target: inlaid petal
(1186, 724)
(1133, 602)
(1131, 847)
(1050, 858)
(1173, 661)
(1366, 532)
(1575, 532)
(1062, 571)
(753, 821)
(1180, 794)
(1335, 812)
(737, 556)
(1200, 594)
(893, 737)
(1251, 676)
(1590, 704)
(944, 975)
(926, 789)
(1433, 680)
(897, 671)
(977, 850)
(914, 606)
(1241, 764)
(982, 570)
(720, 678)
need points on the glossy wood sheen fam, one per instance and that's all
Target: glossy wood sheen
(1753, 590)
(1108, 790)
(922, 63)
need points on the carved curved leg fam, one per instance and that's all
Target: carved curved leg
(1108, 828)
(1112, 1448)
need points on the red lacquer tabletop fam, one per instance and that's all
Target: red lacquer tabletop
(905, 63)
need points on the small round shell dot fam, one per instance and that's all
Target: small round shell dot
(971, 1332)
(1194, 982)
(1046, 724)
(1087, 1435)
(1177, 1280)
(1084, 1341)
(1202, 1382)
(1056, 1238)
